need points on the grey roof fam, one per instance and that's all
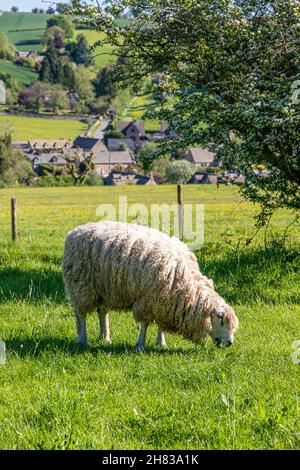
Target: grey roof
(47, 158)
(114, 144)
(49, 144)
(199, 155)
(113, 158)
(196, 178)
(122, 126)
(121, 178)
(89, 144)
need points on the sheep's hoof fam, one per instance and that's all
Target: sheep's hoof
(83, 345)
(140, 348)
(105, 340)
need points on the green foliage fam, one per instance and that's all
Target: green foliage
(231, 65)
(104, 84)
(7, 49)
(80, 52)
(14, 169)
(56, 35)
(112, 134)
(179, 171)
(62, 22)
(146, 156)
(93, 179)
(79, 167)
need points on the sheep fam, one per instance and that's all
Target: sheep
(119, 266)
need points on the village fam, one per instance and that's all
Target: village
(114, 152)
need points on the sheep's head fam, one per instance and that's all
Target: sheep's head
(224, 324)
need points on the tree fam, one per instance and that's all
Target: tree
(35, 10)
(83, 83)
(56, 35)
(146, 156)
(51, 70)
(14, 168)
(50, 11)
(179, 171)
(14, 9)
(7, 49)
(62, 22)
(104, 83)
(79, 167)
(233, 65)
(63, 7)
(80, 51)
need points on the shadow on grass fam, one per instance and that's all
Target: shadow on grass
(31, 285)
(264, 275)
(29, 347)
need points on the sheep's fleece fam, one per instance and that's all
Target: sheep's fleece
(118, 266)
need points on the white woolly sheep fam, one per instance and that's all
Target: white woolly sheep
(117, 266)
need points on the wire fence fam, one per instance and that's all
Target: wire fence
(44, 216)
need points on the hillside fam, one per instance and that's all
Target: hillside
(25, 30)
(21, 74)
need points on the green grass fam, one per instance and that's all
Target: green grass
(54, 395)
(19, 73)
(102, 54)
(136, 108)
(25, 30)
(24, 127)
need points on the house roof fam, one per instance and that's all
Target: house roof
(196, 178)
(89, 144)
(200, 155)
(49, 144)
(114, 144)
(119, 178)
(122, 126)
(113, 158)
(47, 158)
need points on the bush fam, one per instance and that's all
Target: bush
(94, 179)
(179, 171)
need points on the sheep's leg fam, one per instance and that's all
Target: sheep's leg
(104, 334)
(161, 339)
(140, 345)
(81, 330)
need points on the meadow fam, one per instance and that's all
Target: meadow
(54, 395)
(25, 30)
(25, 127)
(19, 73)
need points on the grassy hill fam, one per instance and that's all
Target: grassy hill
(25, 30)
(19, 73)
(55, 395)
(24, 127)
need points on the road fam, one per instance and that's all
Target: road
(98, 134)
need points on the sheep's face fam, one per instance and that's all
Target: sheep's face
(224, 324)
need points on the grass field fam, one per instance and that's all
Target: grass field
(24, 127)
(102, 54)
(136, 108)
(25, 30)
(21, 74)
(54, 395)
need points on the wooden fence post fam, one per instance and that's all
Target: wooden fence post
(14, 223)
(180, 211)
